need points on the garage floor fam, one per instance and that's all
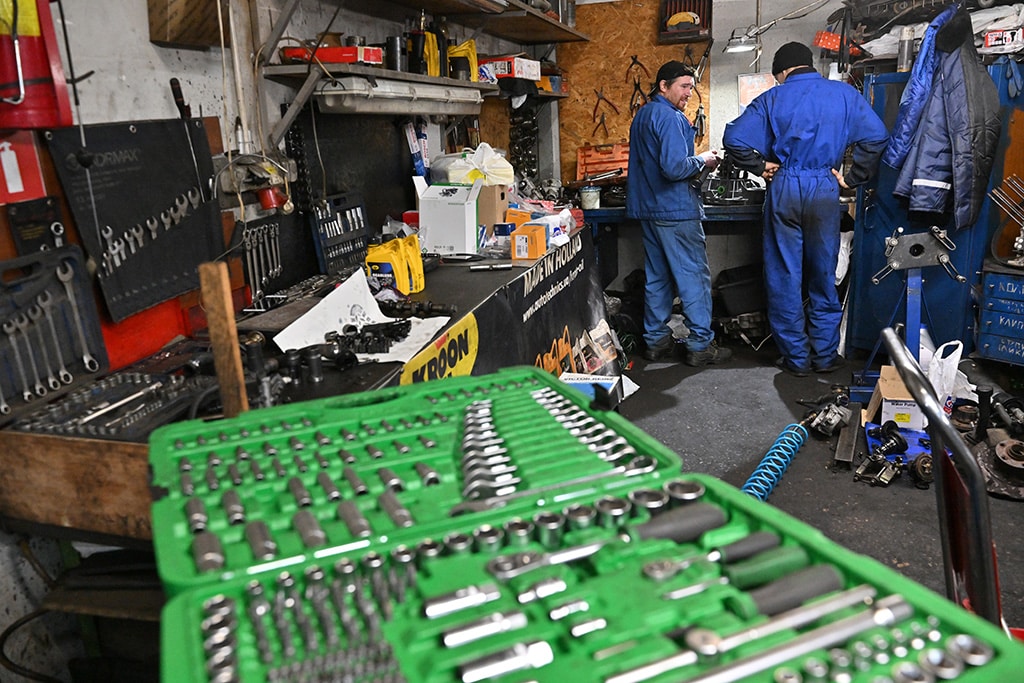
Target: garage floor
(722, 419)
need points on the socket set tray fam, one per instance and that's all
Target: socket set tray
(339, 232)
(497, 527)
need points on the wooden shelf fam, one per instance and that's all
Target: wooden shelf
(520, 23)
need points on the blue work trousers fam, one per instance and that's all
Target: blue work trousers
(801, 246)
(676, 264)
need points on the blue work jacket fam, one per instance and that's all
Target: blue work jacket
(806, 125)
(662, 164)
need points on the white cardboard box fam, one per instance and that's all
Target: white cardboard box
(514, 67)
(448, 217)
(894, 402)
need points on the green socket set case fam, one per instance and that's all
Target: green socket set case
(499, 528)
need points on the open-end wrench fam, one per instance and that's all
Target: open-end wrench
(45, 301)
(180, 209)
(26, 390)
(129, 237)
(165, 218)
(250, 266)
(276, 233)
(138, 235)
(153, 226)
(34, 314)
(193, 197)
(107, 233)
(65, 273)
(4, 408)
(21, 323)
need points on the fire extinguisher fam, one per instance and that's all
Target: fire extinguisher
(33, 90)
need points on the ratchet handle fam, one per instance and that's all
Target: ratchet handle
(766, 566)
(788, 592)
(748, 546)
(683, 524)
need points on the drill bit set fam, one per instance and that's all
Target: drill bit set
(497, 527)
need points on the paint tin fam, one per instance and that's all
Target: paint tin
(590, 197)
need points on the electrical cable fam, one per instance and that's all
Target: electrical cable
(16, 668)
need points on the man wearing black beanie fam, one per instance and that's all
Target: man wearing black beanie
(795, 136)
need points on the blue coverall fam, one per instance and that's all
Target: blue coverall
(805, 125)
(660, 195)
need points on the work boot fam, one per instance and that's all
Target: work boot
(837, 363)
(663, 350)
(790, 369)
(712, 355)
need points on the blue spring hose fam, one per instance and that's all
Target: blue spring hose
(774, 463)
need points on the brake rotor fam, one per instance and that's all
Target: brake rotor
(1010, 452)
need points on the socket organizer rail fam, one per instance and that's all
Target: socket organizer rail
(584, 554)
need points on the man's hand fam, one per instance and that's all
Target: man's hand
(710, 159)
(770, 167)
(841, 179)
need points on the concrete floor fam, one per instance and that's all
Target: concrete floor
(722, 419)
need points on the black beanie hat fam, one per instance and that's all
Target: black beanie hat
(792, 54)
(670, 71)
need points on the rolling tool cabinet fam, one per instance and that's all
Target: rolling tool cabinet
(1001, 304)
(498, 527)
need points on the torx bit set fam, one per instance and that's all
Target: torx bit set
(497, 527)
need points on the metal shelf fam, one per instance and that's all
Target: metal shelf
(520, 23)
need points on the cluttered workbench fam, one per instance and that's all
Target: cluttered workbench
(67, 475)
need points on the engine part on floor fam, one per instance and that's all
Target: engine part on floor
(830, 419)
(922, 471)
(877, 469)
(747, 327)
(965, 417)
(773, 465)
(1001, 459)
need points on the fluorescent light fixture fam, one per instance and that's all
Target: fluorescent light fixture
(356, 95)
(490, 6)
(742, 41)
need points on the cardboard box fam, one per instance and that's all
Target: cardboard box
(530, 241)
(185, 23)
(514, 67)
(892, 401)
(491, 206)
(517, 216)
(449, 223)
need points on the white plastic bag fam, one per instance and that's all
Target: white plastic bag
(942, 371)
(484, 163)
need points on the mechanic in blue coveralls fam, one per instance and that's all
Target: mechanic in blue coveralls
(795, 136)
(662, 195)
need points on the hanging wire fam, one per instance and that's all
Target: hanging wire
(775, 462)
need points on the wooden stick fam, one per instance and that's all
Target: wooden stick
(215, 287)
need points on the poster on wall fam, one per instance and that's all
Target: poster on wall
(552, 316)
(752, 85)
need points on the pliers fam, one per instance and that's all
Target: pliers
(639, 97)
(600, 124)
(633, 61)
(600, 98)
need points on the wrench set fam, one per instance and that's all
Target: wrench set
(51, 338)
(496, 527)
(339, 232)
(262, 256)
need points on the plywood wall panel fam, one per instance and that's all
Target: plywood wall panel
(617, 30)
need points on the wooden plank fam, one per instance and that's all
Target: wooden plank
(84, 484)
(215, 286)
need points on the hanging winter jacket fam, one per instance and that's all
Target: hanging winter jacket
(951, 155)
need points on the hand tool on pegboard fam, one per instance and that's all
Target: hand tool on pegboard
(601, 98)
(186, 116)
(634, 61)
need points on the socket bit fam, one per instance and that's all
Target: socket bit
(262, 544)
(303, 498)
(427, 474)
(398, 514)
(207, 551)
(390, 480)
(328, 486)
(195, 513)
(309, 529)
(358, 485)
(355, 522)
(233, 508)
(518, 531)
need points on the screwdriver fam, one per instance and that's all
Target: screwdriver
(680, 525)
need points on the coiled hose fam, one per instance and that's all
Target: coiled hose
(773, 465)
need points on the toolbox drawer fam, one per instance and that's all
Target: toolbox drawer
(998, 323)
(1003, 286)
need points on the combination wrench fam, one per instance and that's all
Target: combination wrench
(64, 274)
(21, 323)
(26, 390)
(34, 315)
(45, 302)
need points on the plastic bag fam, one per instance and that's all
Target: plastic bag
(942, 371)
(485, 164)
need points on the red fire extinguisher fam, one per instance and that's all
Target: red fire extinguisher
(33, 91)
